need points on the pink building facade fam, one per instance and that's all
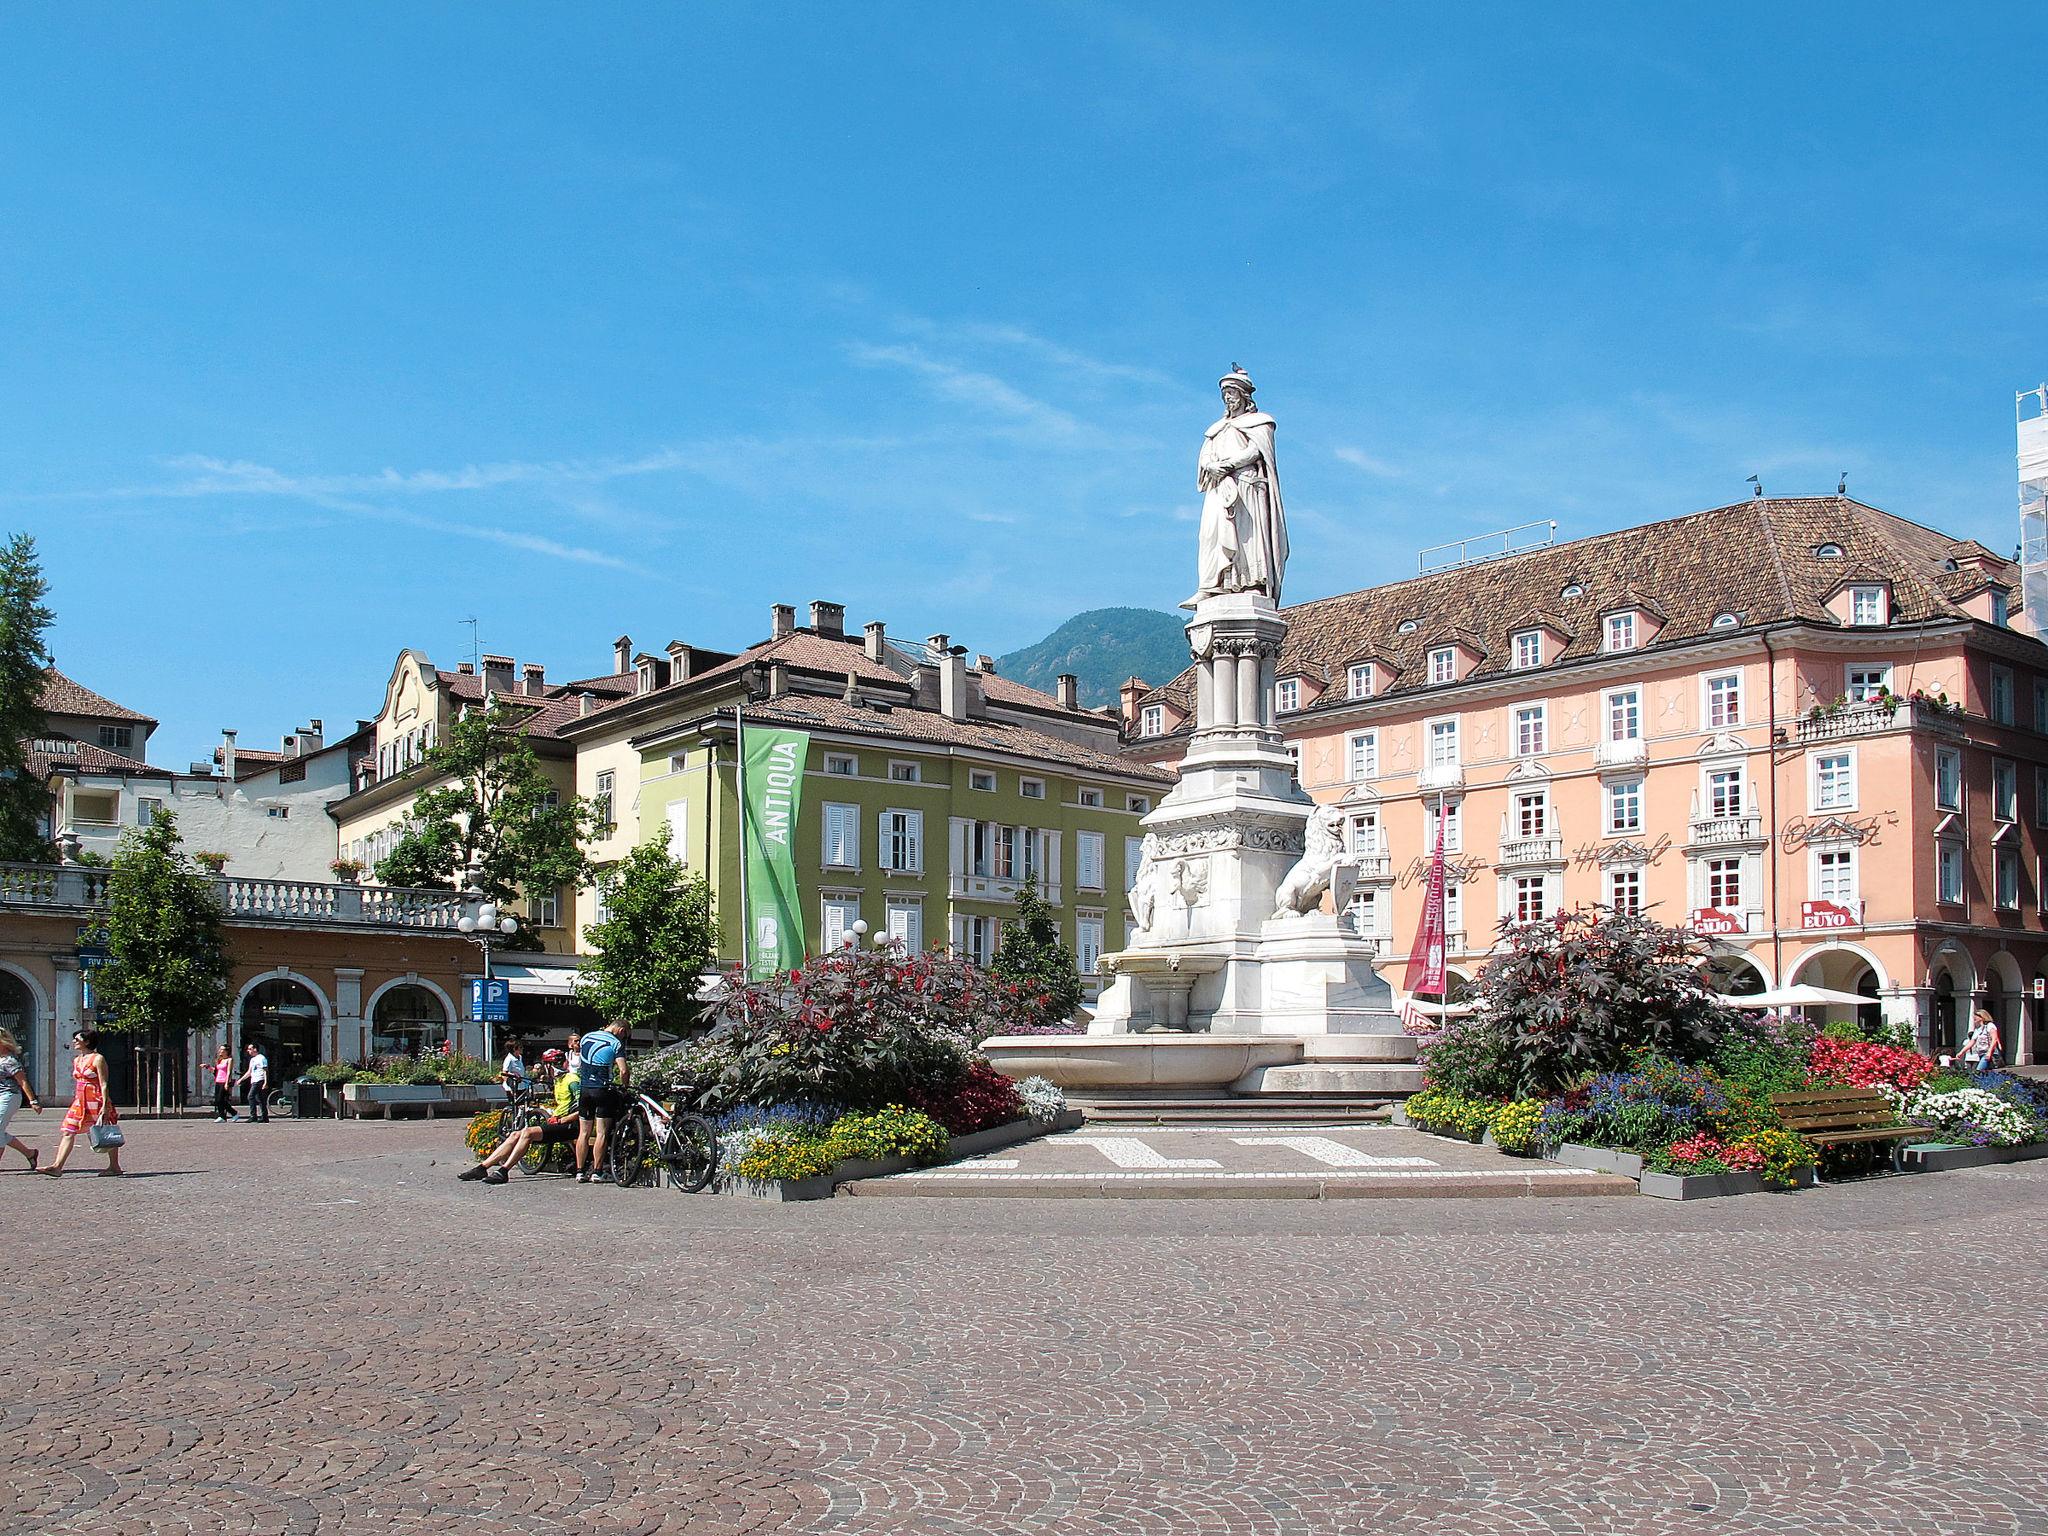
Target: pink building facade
(1803, 726)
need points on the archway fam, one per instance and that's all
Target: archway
(2004, 995)
(406, 1017)
(1457, 986)
(1734, 973)
(1951, 977)
(20, 1017)
(283, 1014)
(1844, 968)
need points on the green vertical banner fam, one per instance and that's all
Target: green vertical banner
(772, 763)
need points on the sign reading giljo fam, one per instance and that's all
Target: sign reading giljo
(1825, 914)
(1714, 920)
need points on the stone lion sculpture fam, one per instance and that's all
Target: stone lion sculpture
(1302, 891)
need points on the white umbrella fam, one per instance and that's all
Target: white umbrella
(1800, 996)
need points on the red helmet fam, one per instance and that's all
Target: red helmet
(553, 1058)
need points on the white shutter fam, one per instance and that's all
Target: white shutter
(1134, 851)
(960, 850)
(906, 925)
(959, 933)
(914, 823)
(840, 915)
(679, 831)
(842, 836)
(1088, 861)
(1052, 860)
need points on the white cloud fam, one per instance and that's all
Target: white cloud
(984, 391)
(1358, 458)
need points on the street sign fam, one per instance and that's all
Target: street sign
(92, 956)
(490, 1000)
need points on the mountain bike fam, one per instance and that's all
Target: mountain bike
(531, 1107)
(647, 1139)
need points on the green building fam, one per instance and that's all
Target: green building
(932, 788)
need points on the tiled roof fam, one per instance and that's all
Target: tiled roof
(1756, 559)
(90, 759)
(61, 696)
(249, 760)
(924, 725)
(616, 683)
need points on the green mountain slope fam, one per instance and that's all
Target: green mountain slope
(1103, 647)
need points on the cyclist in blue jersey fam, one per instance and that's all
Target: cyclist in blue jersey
(601, 1069)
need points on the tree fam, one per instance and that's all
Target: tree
(1032, 957)
(499, 814)
(168, 966)
(647, 958)
(24, 660)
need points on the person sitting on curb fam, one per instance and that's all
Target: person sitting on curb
(558, 1129)
(598, 1059)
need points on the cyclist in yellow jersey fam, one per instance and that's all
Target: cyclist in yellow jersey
(559, 1129)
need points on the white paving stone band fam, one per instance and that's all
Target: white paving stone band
(1325, 1176)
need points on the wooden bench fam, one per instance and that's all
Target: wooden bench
(1833, 1117)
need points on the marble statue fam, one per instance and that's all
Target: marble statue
(1302, 891)
(1244, 527)
(1144, 893)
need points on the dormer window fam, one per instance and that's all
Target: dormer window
(1620, 631)
(1726, 620)
(2001, 609)
(1409, 626)
(1443, 664)
(1152, 720)
(1358, 681)
(1528, 649)
(1866, 605)
(1287, 695)
(645, 675)
(1827, 551)
(1572, 589)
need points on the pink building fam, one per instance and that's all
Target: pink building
(1800, 724)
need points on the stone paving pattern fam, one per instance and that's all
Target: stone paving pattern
(314, 1328)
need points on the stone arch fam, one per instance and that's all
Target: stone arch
(39, 1023)
(2004, 993)
(292, 1042)
(1951, 980)
(1842, 965)
(416, 1029)
(1736, 973)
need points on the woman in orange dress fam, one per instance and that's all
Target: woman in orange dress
(91, 1104)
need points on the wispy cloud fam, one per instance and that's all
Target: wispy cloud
(983, 391)
(1358, 458)
(1074, 363)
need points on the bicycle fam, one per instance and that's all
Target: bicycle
(531, 1107)
(648, 1137)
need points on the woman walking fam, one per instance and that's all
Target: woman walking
(92, 1106)
(223, 1079)
(14, 1091)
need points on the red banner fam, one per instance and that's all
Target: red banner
(1426, 956)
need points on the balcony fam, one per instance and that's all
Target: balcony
(1726, 831)
(1631, 753)
(972, 887)
(61, 887)
(1541, 848)
(1373, 864)
(1873, 716)
(1440, 776)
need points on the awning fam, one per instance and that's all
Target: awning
(1798, 996)
(556, 982)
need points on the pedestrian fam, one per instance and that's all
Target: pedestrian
(512, 1070)
(223, 1076)
(257, 1077)
(598, 1061)
(92, 1108)
(1980, 1051)
(14, 1092)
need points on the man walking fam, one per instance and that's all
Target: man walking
(257, 1077)
(597, 1064)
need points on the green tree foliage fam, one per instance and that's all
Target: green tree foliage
(1584, 992)
(494, 813)
(648, 955)
(24, 658)
(167, 938)
(1032, 956)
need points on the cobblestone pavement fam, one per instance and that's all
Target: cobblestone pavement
(313, 1327)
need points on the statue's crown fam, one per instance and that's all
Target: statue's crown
(1238, 377)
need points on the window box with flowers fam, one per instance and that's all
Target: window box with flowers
(347, 871)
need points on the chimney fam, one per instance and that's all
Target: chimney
(1134, 689)
(318, 727)
(937, 646)
(497, 674)
(985, 664)
(464, 669)
(227, 753)
(622, 655)
(582, 704)
(681, 662)
(852, 693)
(781, 621)
(1067, 688)
(534, 679)
(877, 640)
(828, 620)
(778, 679)
(953, 684)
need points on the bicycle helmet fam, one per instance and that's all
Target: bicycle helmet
(553, 1058)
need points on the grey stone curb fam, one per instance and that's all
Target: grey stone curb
(823, 1186)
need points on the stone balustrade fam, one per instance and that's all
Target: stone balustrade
(84, 888)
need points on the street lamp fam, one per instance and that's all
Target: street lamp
(481, 924)
(852, 936)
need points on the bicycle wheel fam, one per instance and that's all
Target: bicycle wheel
(691, 1153)
(535, 1158)
(629, 1150)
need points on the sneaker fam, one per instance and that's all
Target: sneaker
(469, 1174)
(582, 1178)
(496, 1176)
(600, 1178)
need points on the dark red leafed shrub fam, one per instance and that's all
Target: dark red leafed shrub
(982, 1098)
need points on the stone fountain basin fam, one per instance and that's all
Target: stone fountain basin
(1165, 1061)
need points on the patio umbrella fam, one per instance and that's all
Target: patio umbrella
(1800, 996)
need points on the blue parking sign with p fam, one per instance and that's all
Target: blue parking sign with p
(490, 1000)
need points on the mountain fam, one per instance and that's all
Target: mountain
(1103, 647)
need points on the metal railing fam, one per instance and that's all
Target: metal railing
(283, 901)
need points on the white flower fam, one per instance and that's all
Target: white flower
(1042, 1098)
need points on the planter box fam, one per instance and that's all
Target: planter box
(1599, 1159)
(823, 1185)
(1708, 1186)
(389, 1099)
(1935, 1157)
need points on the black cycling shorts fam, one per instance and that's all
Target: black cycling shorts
(596, 1104)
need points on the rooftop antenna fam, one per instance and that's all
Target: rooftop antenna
(1758, 483)
(476, 651)
(1842, 485)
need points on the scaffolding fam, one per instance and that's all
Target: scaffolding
(2030, 417)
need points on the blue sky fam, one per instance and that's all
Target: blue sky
(326, 328)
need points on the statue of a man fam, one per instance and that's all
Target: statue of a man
(1244, 527)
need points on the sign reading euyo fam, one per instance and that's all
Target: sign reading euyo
(773, 763)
